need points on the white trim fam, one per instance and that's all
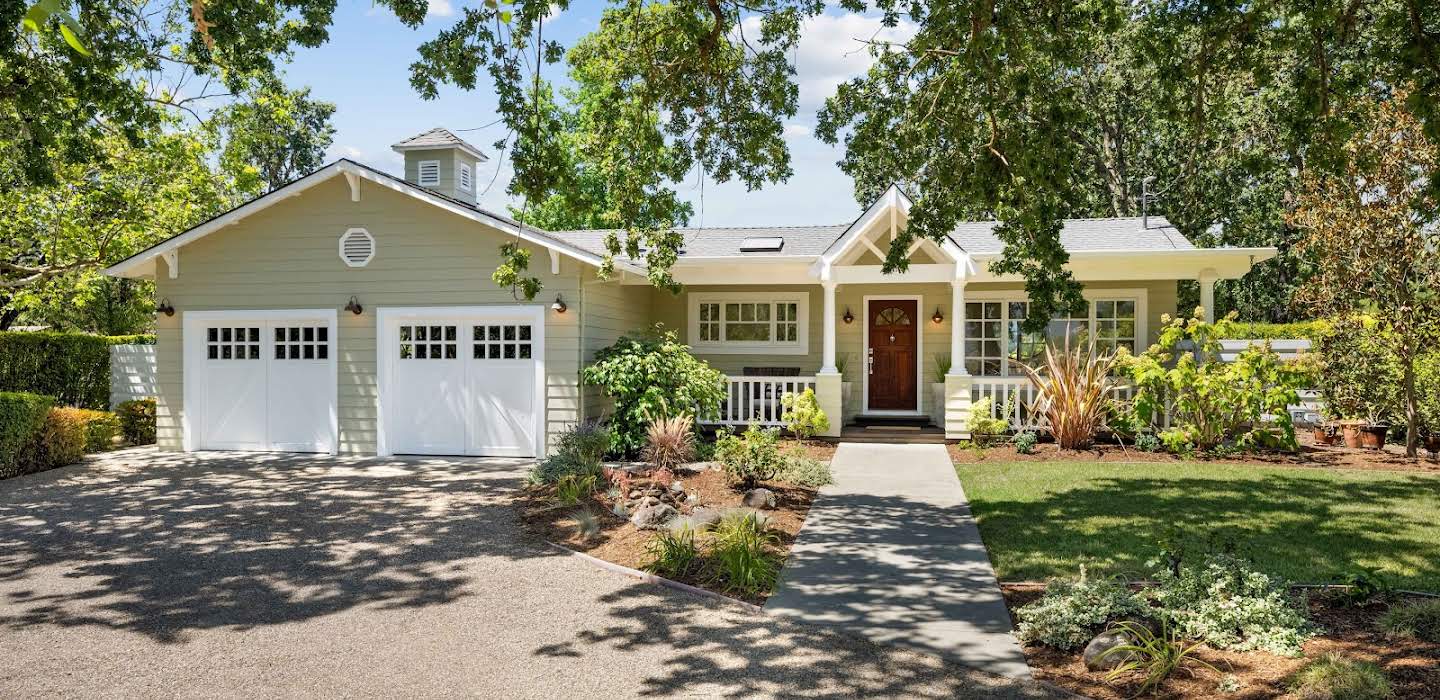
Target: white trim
(192, 348)
(172, 262)
(801, 346)
(462, 147)
(386, 355)
(352, 232)
(354, 182)
(463, 177)
(1140, 296)
(420, 173)
(134, 265)
(919, 300)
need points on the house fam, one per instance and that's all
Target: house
(351, 311)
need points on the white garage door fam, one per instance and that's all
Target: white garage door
(462, 381)
(260, 380)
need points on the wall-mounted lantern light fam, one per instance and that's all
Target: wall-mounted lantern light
(165, 307)
(559, 306)
(848, 317)
(938, 317)
(354, 306)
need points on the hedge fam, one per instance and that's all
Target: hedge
(61, 441)
(74, 368)
(137, 421)
(22, 417)
(101, 429)
(1308, 330)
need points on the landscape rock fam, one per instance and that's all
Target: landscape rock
(649, 501)
(759, 498)
(677, 487)
(1102, 643)
(705, 517)
(652, 517)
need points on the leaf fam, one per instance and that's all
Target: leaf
(70, 31)
(505, 16)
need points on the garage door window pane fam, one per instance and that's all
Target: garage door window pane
(302, 343)
(442, 345)
(232, 343)
(503, 342)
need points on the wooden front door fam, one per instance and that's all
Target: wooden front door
(893, 325)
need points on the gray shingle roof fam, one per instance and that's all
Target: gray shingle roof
(439, 137)
(975, 237)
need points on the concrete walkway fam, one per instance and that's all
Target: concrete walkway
(890, 552)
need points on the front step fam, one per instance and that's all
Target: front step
(909, 434)
(864, 420)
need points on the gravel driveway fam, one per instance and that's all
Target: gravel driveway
(159, 575)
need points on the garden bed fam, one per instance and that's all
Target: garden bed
(1413, 666)
(1311, 456)
(618, 541)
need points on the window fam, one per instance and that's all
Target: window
(758, 322)
(428, 343)
(464, 177)
(995, 345)
(429, 174)
(232, 343)
(302, 343)
(983, 354)
(502, 342)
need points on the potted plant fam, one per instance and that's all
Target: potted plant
(1327, 433)
(842, 362)
(937, 389)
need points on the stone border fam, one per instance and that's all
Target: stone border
(1314, 586)
(628, 572)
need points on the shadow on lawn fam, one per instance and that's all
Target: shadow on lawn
(1305, 528)
(162, 543)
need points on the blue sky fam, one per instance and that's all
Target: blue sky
(364, 70)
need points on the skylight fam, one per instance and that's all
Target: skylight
(763, 244)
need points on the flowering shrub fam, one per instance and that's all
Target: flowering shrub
(803, 415)
(1072, 611)
(1225, 602)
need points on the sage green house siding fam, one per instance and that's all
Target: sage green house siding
(609, 310)
(286, 256)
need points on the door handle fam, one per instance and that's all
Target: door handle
(870, 361)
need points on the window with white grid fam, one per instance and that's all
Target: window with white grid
(302, 343)
(429, 342)
(232, 343)
(1115, 324)
(740, 323)
(984, 338)
(503, 341)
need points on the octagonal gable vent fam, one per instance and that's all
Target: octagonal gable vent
(357, 247)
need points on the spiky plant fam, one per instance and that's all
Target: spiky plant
(1074, 387)
(587, 524)
(670, 441)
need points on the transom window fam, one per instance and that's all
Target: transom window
(433, 342)
(302, 343)
(995, 345)
(502, 342)
(749, 323)
(232, 343)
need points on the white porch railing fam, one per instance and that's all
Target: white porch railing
(757, 399)
(1002, 389)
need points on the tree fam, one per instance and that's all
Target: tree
(1371, 230)
(273, 137)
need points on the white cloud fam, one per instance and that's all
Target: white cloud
(832, 50)
(796, 131)
(439, 8)
(337, 152)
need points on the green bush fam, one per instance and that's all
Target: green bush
(1025, 442)
(578, 451)
(982, 427)
(1223, 601)
(1361, 379)
(751, 457)
(1334, 677)
(673, 552)
(1303, 330)
(61, 441)
(1073, 611)
(799, 468)
(22, 416)
(74, 368)
(742, 548)
(101, 428)
(137, 421)
(652, 374)
(1420, 620)
(1427, 390)
(802, 416)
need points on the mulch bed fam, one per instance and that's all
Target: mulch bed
(1412, 665)
(1311, 456)
(620, 542)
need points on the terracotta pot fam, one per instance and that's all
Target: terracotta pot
(1372, 437)
(1432, 444)
(1350, 430)
(1326, 435)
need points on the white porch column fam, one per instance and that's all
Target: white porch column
(1207, 293)
(957, 327)
(958, 384)
(827, 361)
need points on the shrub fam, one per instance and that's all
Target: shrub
(22, 416)
(1148, 442)
(1073, 611)
(61, 441)
(1155, 656)
(1252, 330)
(652, 374)
(137, 421)
(670, 442)
(578, 451)
(799, 468)
(1361, 378)
(742, 547)
(1420, 620)
(1334, 677)
(1427, 392)
(1025, 442)
(1228, 604)
(101, 427)
(982, 427)
(73, 368)
(587, 524)
(673, 552)
(571, 488)
(1211, 401)
(802, 415)
(751, 457)
(1074, 387)
(1362, 587)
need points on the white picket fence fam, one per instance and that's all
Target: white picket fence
(757, 399)
(132, 373)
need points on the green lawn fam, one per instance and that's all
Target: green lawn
(1046, 519)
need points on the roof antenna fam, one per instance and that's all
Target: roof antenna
(1145, 196)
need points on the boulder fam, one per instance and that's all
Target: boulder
(676, 487)
(702, 518)
(1103, 642)
(652, 517)
(759, 498)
